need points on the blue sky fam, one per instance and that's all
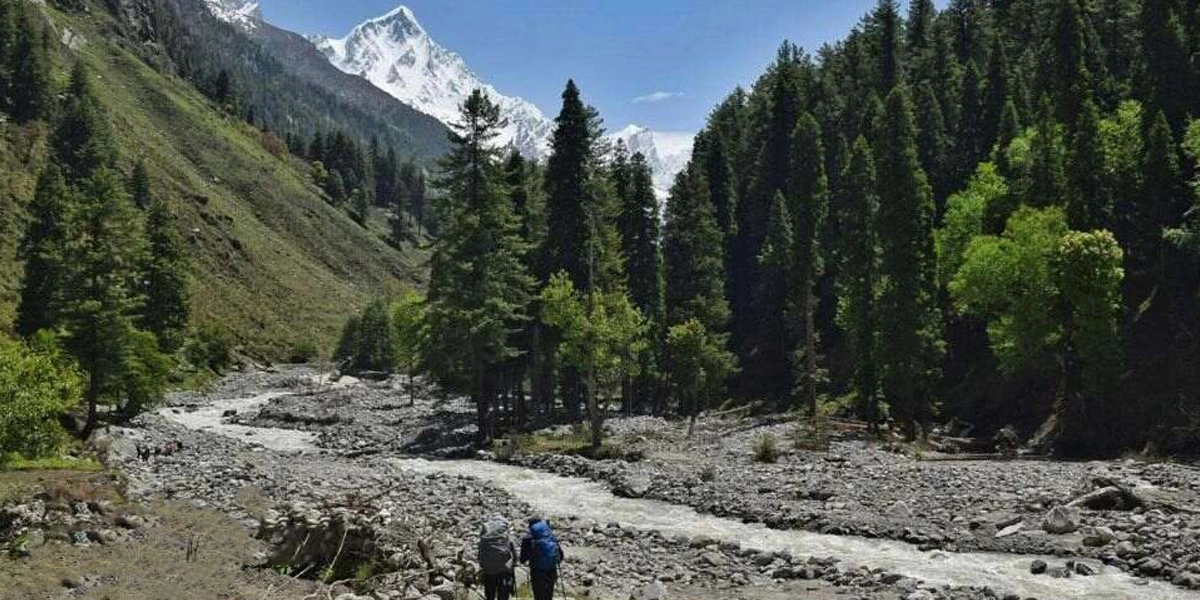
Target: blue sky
(659, 63)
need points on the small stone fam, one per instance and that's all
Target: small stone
(1038, 567)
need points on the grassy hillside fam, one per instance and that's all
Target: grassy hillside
(273, 263)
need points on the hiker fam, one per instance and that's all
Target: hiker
(541, 550)
(497, 559)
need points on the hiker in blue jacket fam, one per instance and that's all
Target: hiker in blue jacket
(497, 560)
(542, 552)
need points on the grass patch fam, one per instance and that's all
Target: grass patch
(55, 463)
(576, 441)
(765, 450)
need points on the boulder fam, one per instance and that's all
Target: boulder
(653, 591)
(1096, 537)
(1038, 567)
(1061, 520)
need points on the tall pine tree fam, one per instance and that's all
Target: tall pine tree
(479, 290)
(859, 278)
(810, 204)
(910, 345)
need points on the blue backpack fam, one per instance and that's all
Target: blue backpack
(545, 547)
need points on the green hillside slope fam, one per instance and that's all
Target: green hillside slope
(273, 263)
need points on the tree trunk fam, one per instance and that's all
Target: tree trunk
(481, 406)
(593, 404)
(92, 413)
(810, 345)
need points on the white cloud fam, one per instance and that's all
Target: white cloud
(655, 97)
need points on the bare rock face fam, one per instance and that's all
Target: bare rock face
(1061, 520)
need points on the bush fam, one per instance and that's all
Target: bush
(36, 386)
(304, 352)
(210, 348)
(708, 473)
(764, 449)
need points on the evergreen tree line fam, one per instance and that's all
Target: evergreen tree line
(976, 212)
(104, 265)
(980, 212)
(374, 177)
(25, 45)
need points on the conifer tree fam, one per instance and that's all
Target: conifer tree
(1067, 73)
(479, 290)
(8, 40)
(375, 346)
(933, 142)
(100, 296)
(910, 344)
(996, 95)
(919, 30)
(1163, 200)
(859, 279)
(43, 249)
(1089, 200)
(167, 308)
(887, 20)
(139, 185)
(568, 209)
(810, 205)
(778, 265)
(692, 251)
(1046, 183)
(968, 144)
(1174, 84)
(29, 86)
(83, 140)
(642, 249)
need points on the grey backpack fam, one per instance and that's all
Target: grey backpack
(496, 555)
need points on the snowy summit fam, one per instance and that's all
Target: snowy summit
(397, 55)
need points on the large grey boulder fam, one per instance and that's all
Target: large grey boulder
(1061, 520)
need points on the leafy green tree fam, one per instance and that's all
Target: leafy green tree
(43, 249)
(603, 335)
(479, 288)
(810, 205)
(1124, 149)
(408, 315)
(165, 272)
(965, 215)
(910, 344)
(858, 279)
(699, 364)
(36, 387)
(1009, 281)
(83, 140)
(1087, 270)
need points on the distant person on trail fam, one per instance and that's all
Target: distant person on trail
(497, 559)
(540, 549)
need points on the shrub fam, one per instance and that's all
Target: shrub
(304, 352)
(708, 473)
(764, 449)
(210, 348)
(36, 386)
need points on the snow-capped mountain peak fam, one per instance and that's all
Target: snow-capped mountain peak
(396, 54)
(667, 152)
(243, 13)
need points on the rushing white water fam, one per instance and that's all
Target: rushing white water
(211, 418)
(557, 496)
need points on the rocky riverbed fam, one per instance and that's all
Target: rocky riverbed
(855, 487)
(411, 534)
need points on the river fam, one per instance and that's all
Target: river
(557, 497)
